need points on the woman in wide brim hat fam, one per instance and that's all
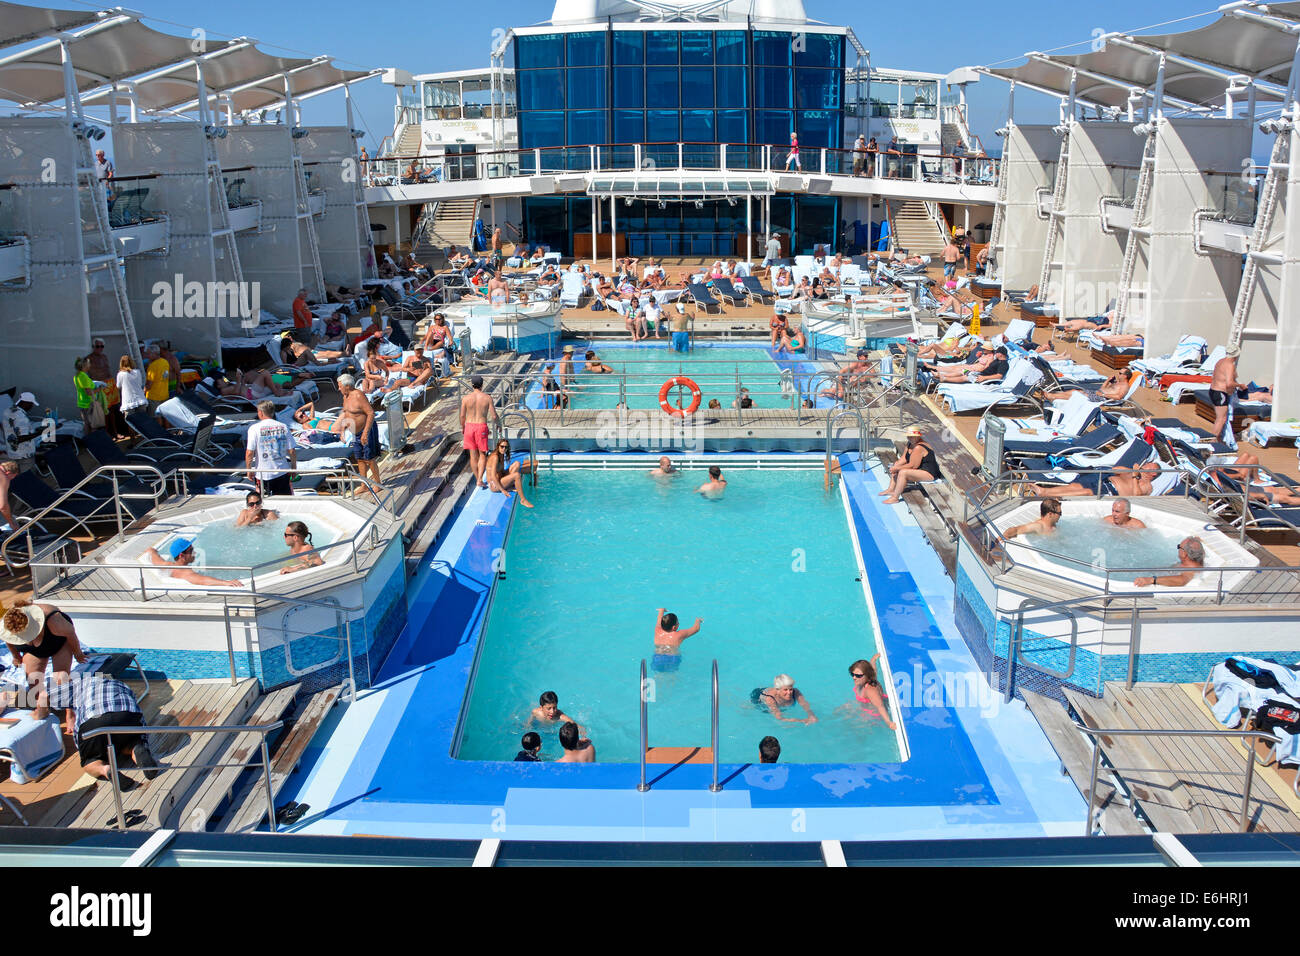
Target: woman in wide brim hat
(38, 634)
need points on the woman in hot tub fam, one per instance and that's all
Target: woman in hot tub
(254, 513)
(298, 539)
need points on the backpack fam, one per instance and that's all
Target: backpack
(1274, 716)
(1262, 679)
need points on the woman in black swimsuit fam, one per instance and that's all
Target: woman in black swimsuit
(918, 463)
(37, 634)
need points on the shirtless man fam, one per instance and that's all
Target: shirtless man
(182, 555)
(577, 749)
(951, 253)
(1191, 555)
(1223, 385)
(365, 444)
(1120, 341)
(1268, 494)
(715, 486)
(498, 291)
(415, 371)
(1078, 325)
(1121, 515)
(596, 365)
(666, 468)
(475, 409)
(1134, 483)
(1049, 513)
(850, 374)
(668, 639)
(1113, 389)
(548, 711)
(566, 368)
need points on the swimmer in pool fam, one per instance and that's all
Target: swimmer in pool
(1049, 513)
(596, 365)
(1121, 515)
(547, 711)
(715, 486)
(253, 512)
(780, 695)
(577, 748)
(867, 689)
(666, 468)
(668, 640)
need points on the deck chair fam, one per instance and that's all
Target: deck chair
(754, 289)
(571, 289)
(1061, 420)
(701, 295)
(1133, 453)
(78, 511)
(1188, 354)
(1017, 386)
(68, 472)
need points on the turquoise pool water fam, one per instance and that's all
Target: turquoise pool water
(770, 568)
(225, 546)
(647, 367)
(1094, 545)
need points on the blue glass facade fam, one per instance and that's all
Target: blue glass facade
(629, 86)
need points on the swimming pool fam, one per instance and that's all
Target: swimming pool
(644, 369)
(771, 568)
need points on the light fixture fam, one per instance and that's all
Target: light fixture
(699, 204)
(662, 204)
(1000, 132)
(298, 132)
(627, 201)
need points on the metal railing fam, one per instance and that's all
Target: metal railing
(685, 158)
(714, 787)
(260, 729)
(523, 412)
(644, 723)
(1249, 774)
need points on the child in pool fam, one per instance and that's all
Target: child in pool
(548, 713)
(668, 640)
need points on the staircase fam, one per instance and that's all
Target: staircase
(449, 222)
(914, 229)
(407, 141)
(950, 138)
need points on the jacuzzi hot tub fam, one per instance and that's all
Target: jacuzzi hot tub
(331, 527)
(1095, 547)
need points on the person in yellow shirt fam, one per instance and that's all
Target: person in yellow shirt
(157, 376)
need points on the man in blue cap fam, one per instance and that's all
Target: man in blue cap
(182, 556)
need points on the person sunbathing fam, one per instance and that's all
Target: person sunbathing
(944, 348)
(1078, 325)
(259, 384)
(295, 353)
(1121, 341)
(1125, 482)
(1113, 389)
(412, 373)
(989, 367)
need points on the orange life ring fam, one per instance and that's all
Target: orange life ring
(683, 382)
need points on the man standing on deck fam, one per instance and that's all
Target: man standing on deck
(773, 250)
(157, 377)
(365, 443)
(951, 253)
(1223, 388)
(302, 318)
(474, 412)
(270, 447)
(859, 155)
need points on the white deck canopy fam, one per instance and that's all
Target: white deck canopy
(21, 24)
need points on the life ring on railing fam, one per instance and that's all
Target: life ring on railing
(683, 382)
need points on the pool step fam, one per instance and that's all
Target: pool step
(455, 482)
(248, 803)
(213, 789)
(679, 755)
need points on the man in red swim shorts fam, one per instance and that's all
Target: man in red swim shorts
(474, 412)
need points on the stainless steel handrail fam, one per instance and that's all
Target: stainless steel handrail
(643, 688)
(518, 410)
(1097, 733)
(78, 489)
(714, 787)
(261, 729)
(833, 416)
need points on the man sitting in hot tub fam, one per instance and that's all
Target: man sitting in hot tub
(668, 640)
(182, 555)
(1049, 513)
(1121, 515)
(1191, 555)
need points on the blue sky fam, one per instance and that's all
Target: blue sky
(444, 36)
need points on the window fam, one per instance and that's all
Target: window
(818, 49)
(661, 86)
(661, 47)
(539, 52)
(541, 129)
(774, 126)
(697, 86)
(817, 89)
(697, 126)
(730, 46)
(772, 49)
(586, 49)
(697, 48)
(629, 48)
(629, 126)
(586, 127)
(629, 87)
(733, 126)
(544, 221)
(772, 89)
(541, 90)
(586, 88)
(818, 128)
(661, 126)
(731, 86)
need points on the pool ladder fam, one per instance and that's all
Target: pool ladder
(523, 412)
(646, 692)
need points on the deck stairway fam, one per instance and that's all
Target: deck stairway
(1188, 784)
(449, 222)
(914, 229)
(407, 141)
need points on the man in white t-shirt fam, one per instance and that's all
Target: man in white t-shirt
(653, 316)
(270, 445)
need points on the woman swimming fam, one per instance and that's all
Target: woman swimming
(867, 689)
(780, 695)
